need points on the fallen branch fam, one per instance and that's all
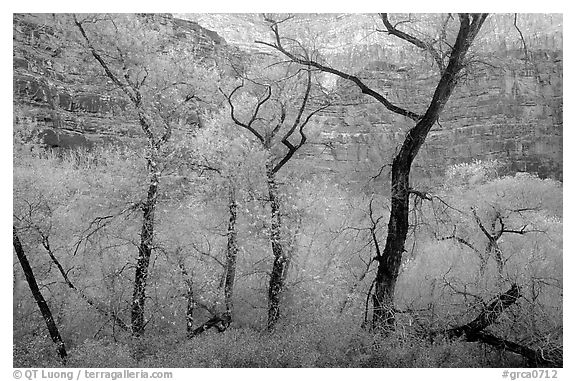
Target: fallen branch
(535, 357)
(220, 321)
(488, 316)
(472, 332)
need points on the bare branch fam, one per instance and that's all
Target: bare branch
(392, 29)
(236, 120)
(277, 45)
(300, 111)
(486, 233)
(462, 241)
(521, 37)
(422, 195)
(373, 230)
(489, 315)
(297, 124)
(101, 309)
(104, 65)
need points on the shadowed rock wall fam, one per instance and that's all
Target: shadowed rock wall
(59, 100)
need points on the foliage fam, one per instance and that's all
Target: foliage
(476, 172)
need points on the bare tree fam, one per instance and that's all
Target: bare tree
(146, 95)
(390, 259)
(268, 135)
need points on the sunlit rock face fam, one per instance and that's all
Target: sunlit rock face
(506, 107)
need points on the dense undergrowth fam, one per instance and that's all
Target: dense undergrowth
(319, 344)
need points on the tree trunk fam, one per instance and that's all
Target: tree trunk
(390, 260)
(190, 305)
(144, 253)
(40, 301)
(190, 302)
(276, 279)
(231, 252)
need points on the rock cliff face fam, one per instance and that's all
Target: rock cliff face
(59, 100)
(512, 113)
(507, 107)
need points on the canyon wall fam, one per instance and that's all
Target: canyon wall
(507, 107)
(58, 96)
(512, 113)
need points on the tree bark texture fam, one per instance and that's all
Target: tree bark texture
(40, 301)
(190, 306)
(276, 277)
(190, 301)
(144, 253)
(231, 252)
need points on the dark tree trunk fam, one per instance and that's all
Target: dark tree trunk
(276, 277)
(390, 260)
(40, 301)
(144, 253)
(231, 252)
(190, 306)
(190, 301)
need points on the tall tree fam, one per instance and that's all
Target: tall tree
(266, 122)
(161, 84)
(390, 259)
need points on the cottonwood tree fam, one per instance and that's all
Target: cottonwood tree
(162, 84)
(288, 95)
(450, 58)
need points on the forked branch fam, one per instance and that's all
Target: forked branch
(426, 46)
(304, 60)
